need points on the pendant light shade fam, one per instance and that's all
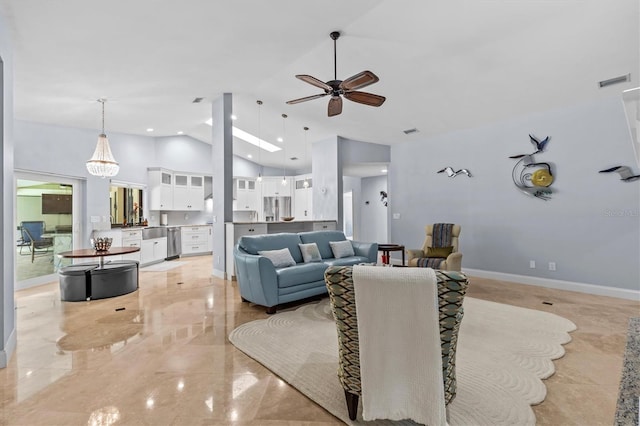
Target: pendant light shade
(102, 162)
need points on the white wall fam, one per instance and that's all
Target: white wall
(373, 213)
(590, 227)
(7, 248)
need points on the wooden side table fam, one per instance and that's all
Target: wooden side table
(388, 248)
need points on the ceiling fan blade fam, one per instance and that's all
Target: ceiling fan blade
(314, 81)
(359, 81)
(308, 98)
(365, 98)
(335, 105)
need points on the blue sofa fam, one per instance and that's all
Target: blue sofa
(262, 283)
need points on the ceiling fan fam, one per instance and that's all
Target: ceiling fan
(338, 88)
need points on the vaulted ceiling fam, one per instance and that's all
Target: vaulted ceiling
(442, 65)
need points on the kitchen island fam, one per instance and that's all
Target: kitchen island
(235, 230)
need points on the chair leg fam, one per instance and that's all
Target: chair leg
(33, 253)
(352, 404)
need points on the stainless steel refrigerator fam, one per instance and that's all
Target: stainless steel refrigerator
(275, 208)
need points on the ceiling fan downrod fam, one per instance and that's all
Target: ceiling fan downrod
(334, 36)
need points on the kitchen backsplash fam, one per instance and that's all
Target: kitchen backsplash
(175, 218)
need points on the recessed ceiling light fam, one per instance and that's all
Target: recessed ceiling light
(280, 140)
(384, 170)
(234, 117)
(149, 129)
(180, 132)
(249, 155)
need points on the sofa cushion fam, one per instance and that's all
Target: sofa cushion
(254, 243)
(310, 252)
(346, 261)
(341, 249)
(280, 258)
(322, 238)
(439, 251)
(301, 274)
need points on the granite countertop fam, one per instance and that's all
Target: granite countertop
(629, 396)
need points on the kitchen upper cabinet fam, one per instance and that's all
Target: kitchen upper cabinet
(188, 192)
(160, 189)
(273, 187)
(170, 190)
(246, 195)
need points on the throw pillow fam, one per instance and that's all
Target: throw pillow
(341, 249)
(280, 258)
(310, 252)
(439, 251)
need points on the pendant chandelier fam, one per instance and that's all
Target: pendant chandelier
(102, 162)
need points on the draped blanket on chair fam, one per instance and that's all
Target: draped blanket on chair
(400, 348)
(442, 237)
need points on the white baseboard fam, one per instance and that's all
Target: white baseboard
(219, 274)
(620, 293)
(7, 352)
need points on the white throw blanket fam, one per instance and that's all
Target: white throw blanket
(400, 354)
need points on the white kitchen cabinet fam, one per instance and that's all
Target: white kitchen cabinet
(246, 194)
(153, 250)
(273, 187)
(188, 192)
(160, 189)
(195, 240)
(132, 238)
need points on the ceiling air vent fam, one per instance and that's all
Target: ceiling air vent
(410, 131)
(293, 158)
(614, 80)
(197, 100)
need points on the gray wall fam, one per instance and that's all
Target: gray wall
(590, 227)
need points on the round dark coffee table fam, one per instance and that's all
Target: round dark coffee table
(388, 248)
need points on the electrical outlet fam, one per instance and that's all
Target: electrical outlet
(218, 260)
(532, 264)
(552, 266)
(396, 215)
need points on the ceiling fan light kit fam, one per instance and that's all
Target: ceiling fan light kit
(339, 88)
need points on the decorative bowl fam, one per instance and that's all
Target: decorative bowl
(101, 243)
(288, 218)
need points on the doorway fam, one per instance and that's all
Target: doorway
(347, 214)
(46, 208)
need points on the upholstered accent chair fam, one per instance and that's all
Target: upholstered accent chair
(452, 286)
(32, 237)
(439, 237)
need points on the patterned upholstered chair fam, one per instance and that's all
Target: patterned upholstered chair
(439, 237)
(452, 286)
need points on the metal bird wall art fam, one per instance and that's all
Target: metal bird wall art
(449, 171)
(626, 175)
(531, 177)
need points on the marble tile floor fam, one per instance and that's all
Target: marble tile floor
(165, 359)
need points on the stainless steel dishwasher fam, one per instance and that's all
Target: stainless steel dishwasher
(174, 243)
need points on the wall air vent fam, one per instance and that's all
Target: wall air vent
(197, 100)
(410, 131)
(614, 80)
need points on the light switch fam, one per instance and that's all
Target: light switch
(396, 215)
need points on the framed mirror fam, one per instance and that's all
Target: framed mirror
(126, 204)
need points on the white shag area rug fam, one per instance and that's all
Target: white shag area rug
(164, 266)
(503, 354)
